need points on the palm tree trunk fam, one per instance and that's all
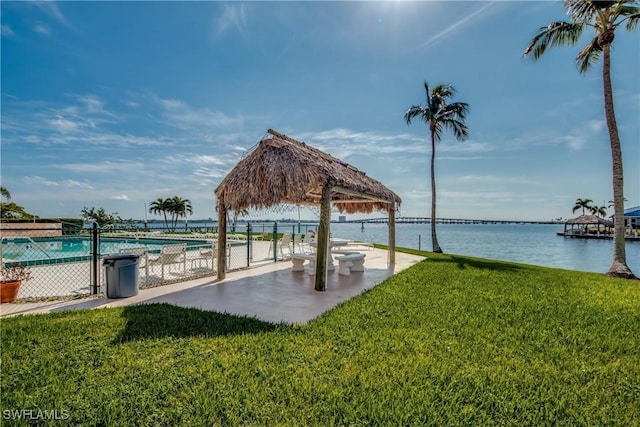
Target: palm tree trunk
(619, 266)
(434, 237)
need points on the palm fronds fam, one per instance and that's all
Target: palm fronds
(589, 55)
(555, 34)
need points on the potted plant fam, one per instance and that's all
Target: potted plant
(10, 280)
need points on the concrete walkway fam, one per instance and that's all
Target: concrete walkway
(268, 291)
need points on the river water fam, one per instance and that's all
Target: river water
(524, 243)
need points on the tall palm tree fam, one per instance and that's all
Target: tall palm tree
(582, 204)
(160, 206)
(439, 115)
(604, 17)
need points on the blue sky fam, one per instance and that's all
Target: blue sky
(114, 104)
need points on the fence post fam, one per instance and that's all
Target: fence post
(95, 258)
(249, 243)
(275, 242)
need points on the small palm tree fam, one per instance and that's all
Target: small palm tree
(599, 210)
(179, 207)
(582, 204)
(439, 115)
(239, 212)
(5, 193)
(604, 17)
(160, 206)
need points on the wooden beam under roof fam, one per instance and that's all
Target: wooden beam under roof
(366, 196)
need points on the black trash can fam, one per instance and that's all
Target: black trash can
(122, 276)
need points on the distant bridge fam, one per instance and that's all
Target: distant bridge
(425, 220)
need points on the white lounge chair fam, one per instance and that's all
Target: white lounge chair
(297, 242)
(169, 255)
(285, 244)
(206, 253)
(143, 259)
(305, 245)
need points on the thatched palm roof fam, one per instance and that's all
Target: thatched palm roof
(281, 170)
(589, 220)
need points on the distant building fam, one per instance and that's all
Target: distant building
(632, 217)
(342, 218)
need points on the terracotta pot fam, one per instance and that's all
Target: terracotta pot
(9, 291)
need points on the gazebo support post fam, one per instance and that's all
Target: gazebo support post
(323, 238)
(392, 233)
(222, 239)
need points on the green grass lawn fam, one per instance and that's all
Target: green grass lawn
(451, 341)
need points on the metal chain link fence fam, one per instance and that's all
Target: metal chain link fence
(69, 261)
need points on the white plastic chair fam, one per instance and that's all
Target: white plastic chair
(285, 243)
(297, 243)
(170, 254)
(305, 246)
(206, 253)
(143, 257)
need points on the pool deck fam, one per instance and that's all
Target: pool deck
(268, 291)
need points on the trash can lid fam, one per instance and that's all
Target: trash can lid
(120, 256)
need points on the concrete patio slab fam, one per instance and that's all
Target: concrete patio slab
(268, 291)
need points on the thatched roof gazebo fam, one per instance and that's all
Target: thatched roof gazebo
(281, 170)
(584, 221)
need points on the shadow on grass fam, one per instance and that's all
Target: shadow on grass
(165, 320)
(464, 262)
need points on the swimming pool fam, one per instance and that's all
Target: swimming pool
(54, 250)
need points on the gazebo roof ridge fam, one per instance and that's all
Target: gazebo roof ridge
(341, 162)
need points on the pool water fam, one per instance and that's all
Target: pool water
(36, 251)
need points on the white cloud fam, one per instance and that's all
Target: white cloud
(344, 143)
(451, 28)
(596, 125)
(576, 138)
(42, 29)
(179, 114)
(85, 122)
(132, 104)
(120, 197)
(76, 184)
(7, 31)
(497, 179)
(209, 160)
(108, 167)
(63, 125)
(171, 104)
(39, 181)
(51, 8)
(210, 173)
(233, 16)
(92, 103)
